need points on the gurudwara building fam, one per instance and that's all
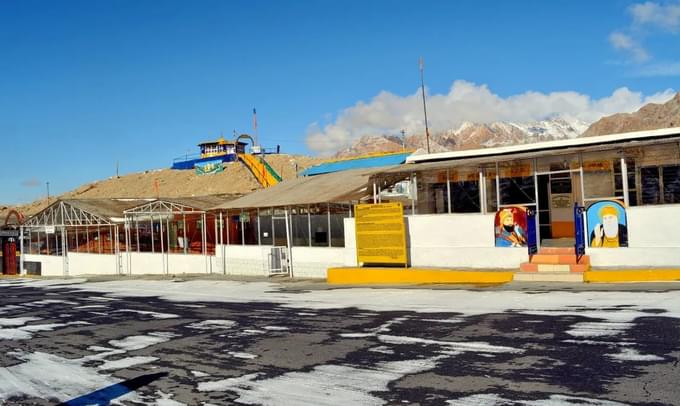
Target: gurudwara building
(614, 198)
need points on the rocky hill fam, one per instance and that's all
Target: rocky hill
(235, 179)
(650, 117)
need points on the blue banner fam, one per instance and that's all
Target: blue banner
(532, 243)
(580, 245)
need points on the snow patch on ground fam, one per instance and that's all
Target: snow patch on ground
(126, 362)
(598, 329)
(49, 376)
(16, 321)
(275, 328)
(491, 399)
(242, 355)
(139, 342)
(155, 315)
(631, 354)
(212, 325)
(457, 347)
(199, 374)
(26, 332)
(592, 304)
(324, 385)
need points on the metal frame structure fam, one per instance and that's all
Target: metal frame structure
(61, 216)
(161, 210)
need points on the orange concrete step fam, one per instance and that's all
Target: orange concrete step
(556, 250)
(558, 259)
(527, 267)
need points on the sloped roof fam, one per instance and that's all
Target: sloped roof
(327, 188)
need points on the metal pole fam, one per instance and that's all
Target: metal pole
(328, 217)
(482, 192)
(448, 189)
(309, 226)
(258, 227)
(160, 225)
(222, 247)
(99, 238)
(243, 229)
(153, 246)
(87, 239)
(288, 245)
(624, 180)
(422, 86)
(498, 187)
(21, 250)
(137, 233)
(204, 237)
(537, 207)
(77, 245)
(184, 232)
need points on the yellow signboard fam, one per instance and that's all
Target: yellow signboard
(380, 233)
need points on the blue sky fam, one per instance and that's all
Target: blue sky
(86, 84)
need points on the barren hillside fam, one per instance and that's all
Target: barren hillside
(235, 179)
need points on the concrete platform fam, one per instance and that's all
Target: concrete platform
(376, 276)
(632, 275)
(548, 277)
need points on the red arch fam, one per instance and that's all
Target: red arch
(19, 216)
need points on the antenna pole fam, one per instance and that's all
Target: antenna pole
(422, 86)
(403, 140)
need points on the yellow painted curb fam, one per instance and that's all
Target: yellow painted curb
(375, 276)
(633, 275)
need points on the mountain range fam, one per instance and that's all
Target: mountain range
(497, 134)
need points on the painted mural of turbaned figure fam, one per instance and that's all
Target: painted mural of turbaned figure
(607, 225)
(510, 227)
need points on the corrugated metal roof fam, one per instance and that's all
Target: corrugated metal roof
(327, 188)
(358, 163)
(580, 142)
(106, 208)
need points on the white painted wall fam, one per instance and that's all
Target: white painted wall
(180, 263)
(145, 263)
(458, 240)
(51, 265)
(653, 240)
(313, 262)
(244, 259)
(92, 264)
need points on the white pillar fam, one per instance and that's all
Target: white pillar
(624, 180)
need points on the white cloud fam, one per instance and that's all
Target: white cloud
(663, 16)
(388, 113)
(625, 42)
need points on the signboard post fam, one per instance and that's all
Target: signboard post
(532, 241)
(380, 234)
(580, 245)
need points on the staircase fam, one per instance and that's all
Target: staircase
(553, 264)
(264, 173)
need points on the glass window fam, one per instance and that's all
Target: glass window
(338, 213)
(671, 184)
(319, 223)
(432, 197)
(517, 183)
(300, 226)
(266, 236)
(650, 186)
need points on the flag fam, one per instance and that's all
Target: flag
(254, 120)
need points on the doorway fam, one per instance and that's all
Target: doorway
(557, 192)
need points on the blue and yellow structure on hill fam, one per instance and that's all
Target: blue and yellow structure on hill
(215, 153)
(218, 150)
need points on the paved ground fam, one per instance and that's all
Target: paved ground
(202, 342)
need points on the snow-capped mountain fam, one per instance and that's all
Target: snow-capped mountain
(471, 136)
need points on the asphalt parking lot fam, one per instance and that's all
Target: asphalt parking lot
(213, 342)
